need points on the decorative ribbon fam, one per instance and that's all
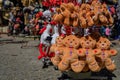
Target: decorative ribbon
(103, 55)
(86, 52)
(43, 53)
(70, 51)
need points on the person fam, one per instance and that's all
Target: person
(26, 31)
(102, 31)
(108, 32)
(118, 19)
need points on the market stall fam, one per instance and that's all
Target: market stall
(78, 48)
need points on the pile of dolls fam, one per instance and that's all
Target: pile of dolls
(83, 53)
(84, 15)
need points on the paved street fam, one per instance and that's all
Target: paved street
(22, 64)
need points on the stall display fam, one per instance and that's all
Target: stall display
(81, 54)
(85, 15)
(68, 15)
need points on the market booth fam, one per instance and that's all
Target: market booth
(79, 50)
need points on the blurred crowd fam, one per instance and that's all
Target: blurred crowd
(29, 19)
(21, 19)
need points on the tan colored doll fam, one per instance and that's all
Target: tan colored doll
(106, 53)
(107, 14)
(103, 19)
(57, 48)
(81, 16)
(88, 44)
(70, 56)
(74, 17)
(66, 14)
(89, 19)
(58, 18)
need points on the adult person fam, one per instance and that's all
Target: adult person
(102, 31)
(118, 17)
(108, 32)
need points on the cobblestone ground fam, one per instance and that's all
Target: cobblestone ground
(22, 64)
